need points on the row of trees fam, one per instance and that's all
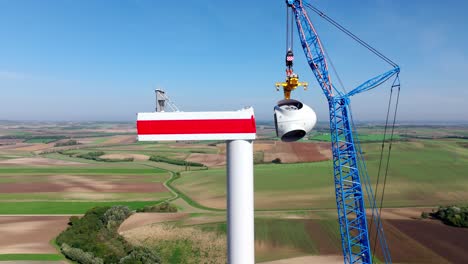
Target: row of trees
(450, 215)
(175, 161)
(163, 207)
(70, 142)
(91, 155)
(96, 155)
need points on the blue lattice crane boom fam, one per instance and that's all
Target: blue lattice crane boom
(350, 175)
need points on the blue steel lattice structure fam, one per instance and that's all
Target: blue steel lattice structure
(349, 170)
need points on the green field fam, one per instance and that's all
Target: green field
(100, 140)
(82, 197)
(82, 181)
(51, 207)
(285, 233)
(40, 140)
(288, 238)
(277, 186)
(421, 173)
(362, 137)
(31, 257)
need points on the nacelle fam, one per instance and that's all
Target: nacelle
(293, 120)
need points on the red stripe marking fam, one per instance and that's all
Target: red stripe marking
(201, 126)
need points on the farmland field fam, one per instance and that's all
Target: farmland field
(29, 235)
(40, 140)
(60, 208)
(291, 238)
(34, 257)
(421, 173)
(362, 137)
(42, 185)
(275, 186)
(73, 190)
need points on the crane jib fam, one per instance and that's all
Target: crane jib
(349, 170)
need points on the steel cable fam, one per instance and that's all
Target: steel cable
(397, 80)
(350, 34)
(382, 150)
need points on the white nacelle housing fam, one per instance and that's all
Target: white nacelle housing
(293, 120)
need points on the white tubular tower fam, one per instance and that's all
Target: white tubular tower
(240, 202)
(239, 131)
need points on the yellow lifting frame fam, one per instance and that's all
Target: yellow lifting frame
(292, 82)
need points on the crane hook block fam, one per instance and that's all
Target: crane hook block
(289, 59)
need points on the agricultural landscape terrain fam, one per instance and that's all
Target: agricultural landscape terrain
(51, 171)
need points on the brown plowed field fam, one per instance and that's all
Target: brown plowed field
(71, 183)
(34, 147)
(451, 243)
(120, 140)
(294, 152)
(402, 213)
(409, 240)
(39, 161)
(30, 234)
(403, 247)
(209, 160)
(8, 143)
(263, 145)
(89, 140)
(289, 152)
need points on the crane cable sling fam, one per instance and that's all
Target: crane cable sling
(347, 32)
(292, 29)
(289, 29)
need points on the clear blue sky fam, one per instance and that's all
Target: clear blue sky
(101, 60)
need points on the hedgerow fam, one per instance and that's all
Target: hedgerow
(175, 161)
(452, 215)
(163, 207)
(93, 238)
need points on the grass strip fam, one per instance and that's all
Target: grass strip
(49, 207)
(31, 257)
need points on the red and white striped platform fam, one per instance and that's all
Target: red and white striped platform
(227, 125)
